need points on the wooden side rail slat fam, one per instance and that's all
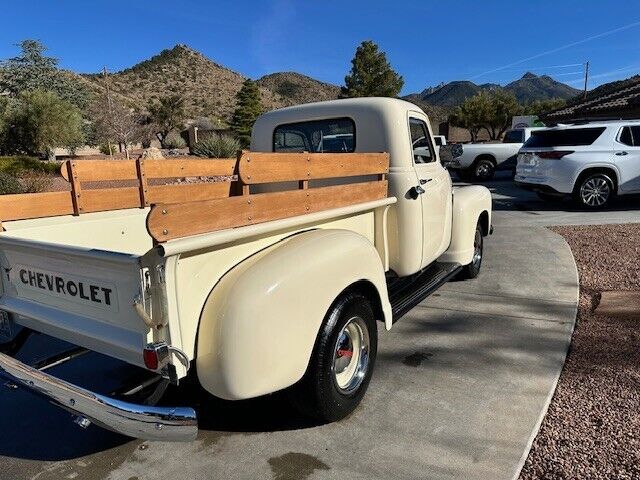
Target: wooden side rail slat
(104, 170)
(260, 167)
(35, 205)
(167, 222)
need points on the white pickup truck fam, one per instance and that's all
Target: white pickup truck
(271, 280)
(480, 161)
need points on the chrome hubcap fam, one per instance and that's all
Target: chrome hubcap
(595, 192)
(477, 249)
(351, 356)
(482, 170)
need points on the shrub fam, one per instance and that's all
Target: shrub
(216, 146)
(35, 182)
(9, 184)
(18, 164)
(104, 149)
(173, 140)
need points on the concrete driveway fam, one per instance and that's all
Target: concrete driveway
(460, 387)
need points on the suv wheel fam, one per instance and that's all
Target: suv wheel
(484, 169)
(594, 191)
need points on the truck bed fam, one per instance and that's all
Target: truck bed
(115, 280)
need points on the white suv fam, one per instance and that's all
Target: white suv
(592, 162)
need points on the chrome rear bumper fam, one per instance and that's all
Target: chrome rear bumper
(178, 424)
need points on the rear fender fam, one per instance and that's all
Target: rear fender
(259, 324)
(469, 204)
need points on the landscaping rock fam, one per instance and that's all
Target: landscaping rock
(152, 153)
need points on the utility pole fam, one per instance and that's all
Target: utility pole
(106, 83)
(586, 78)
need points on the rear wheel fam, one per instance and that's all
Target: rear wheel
(342, 362)
(484, 169)
(594, 191)
(472, 270)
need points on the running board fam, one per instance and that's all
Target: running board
(406, 292)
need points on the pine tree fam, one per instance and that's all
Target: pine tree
(248, 108)
(371, 75)
(32, 70)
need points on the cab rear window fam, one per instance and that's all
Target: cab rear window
(334, 135)
(569, 137)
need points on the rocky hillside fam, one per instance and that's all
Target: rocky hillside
(293, 88)
(209, 89)
(526, 89)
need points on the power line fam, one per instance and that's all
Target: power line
(558, 49)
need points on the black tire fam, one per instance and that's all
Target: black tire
(472, 270)
(319, 394)
(594, 191)
(483, 170)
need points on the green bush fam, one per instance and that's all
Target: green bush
(104, 149)
(173, 140)
(216, 146)
(9, 184)
(18, 164)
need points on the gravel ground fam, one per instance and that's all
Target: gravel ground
(592, 428)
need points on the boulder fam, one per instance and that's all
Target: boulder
(152, 153)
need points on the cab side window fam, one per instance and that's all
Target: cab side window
(420, 141)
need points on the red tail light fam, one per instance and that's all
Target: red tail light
(150, 359)
(554, 154)
(155, 355)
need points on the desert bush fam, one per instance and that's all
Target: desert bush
(9, 184)
(173, 140)
(216, 146)
(15, 165)
(104, 149)
(35, 182)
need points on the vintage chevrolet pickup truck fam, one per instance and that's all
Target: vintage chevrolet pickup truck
(270, 278)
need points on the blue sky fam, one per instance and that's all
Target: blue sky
(428, 42)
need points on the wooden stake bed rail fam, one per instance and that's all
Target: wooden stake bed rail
(181, 209)
(83, 200)
(168, 222)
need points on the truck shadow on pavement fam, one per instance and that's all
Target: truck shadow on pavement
(36, 430)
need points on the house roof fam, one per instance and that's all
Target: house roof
(612, 100)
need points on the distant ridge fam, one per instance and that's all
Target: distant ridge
(526, 89)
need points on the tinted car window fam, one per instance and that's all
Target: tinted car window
(334, 135)
(630, 136)
(422, 152)
(513, 136)
(564, 138)
(626, 137)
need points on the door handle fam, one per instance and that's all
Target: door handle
(425, 180)
(621, 153)
(415, 191)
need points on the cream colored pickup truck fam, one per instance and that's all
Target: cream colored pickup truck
(272, 275)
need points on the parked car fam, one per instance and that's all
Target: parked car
(590, 162)
(274, 281)
(480, 161)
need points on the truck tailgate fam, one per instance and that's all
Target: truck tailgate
(80, 295)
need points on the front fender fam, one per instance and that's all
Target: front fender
(469, 203)
(259, 325)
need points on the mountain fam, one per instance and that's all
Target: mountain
(209, 89)
(526, 89)
(294, 88)
(532, 87)
(453, 93)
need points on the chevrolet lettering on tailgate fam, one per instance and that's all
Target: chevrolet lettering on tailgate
(77, 289)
